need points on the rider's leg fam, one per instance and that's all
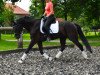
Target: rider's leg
(47, 24)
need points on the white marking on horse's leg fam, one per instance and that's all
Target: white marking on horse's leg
(46, 56)
(22, 58)
(50, 58)
(59, 54)
(84, 54)
(20, 61)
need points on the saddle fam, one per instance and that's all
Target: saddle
(54, 27)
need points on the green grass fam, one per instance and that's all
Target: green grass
(95, 44)
(10, 45)
(6, 44)
(92, 37)
(11, 37)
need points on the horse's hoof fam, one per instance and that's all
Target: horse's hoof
(87, 58)
(91, 51)
(20, 61)
(84, 54)
(50, 58)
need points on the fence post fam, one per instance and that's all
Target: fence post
(0, 35)
(20, 41)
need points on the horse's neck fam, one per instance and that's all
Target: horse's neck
(32, 25)
(27, 27)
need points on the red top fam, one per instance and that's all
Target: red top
(48, 10)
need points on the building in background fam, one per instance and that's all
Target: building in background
(13, 12)
(18, 12)
(21, 8)
(24, 4)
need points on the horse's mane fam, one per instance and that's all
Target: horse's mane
(28, 19)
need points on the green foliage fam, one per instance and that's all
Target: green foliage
(1, 5)
(7, 45)
(58, 6)
(1, 10)
(36, 8)
(84, 12)
(93, 9)
(7, 16)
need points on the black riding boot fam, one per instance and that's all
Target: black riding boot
(47, 24)
(48, 34)
(48, 38)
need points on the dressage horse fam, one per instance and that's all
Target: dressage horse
(66, 30)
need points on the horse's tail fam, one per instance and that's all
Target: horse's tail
(83, 38)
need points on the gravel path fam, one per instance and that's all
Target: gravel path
(70, 63)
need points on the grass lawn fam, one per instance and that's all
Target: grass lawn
(7, 44)
(91, 36)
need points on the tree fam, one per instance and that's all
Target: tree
(7, 16)
(82, 11)
(60, 5)
(36, 8)
(1, 10)
(92, 11)
(43, 5)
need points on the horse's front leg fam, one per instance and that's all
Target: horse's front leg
(32, 43)
(62, 42)
(41, 51)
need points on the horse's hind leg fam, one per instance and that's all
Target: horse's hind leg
(74, 39)
(41, 51)
(62, 42)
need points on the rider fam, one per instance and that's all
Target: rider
(49, 13)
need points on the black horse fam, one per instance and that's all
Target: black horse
(66, 30)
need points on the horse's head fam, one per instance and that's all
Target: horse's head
(27, 22)
(18, 27)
